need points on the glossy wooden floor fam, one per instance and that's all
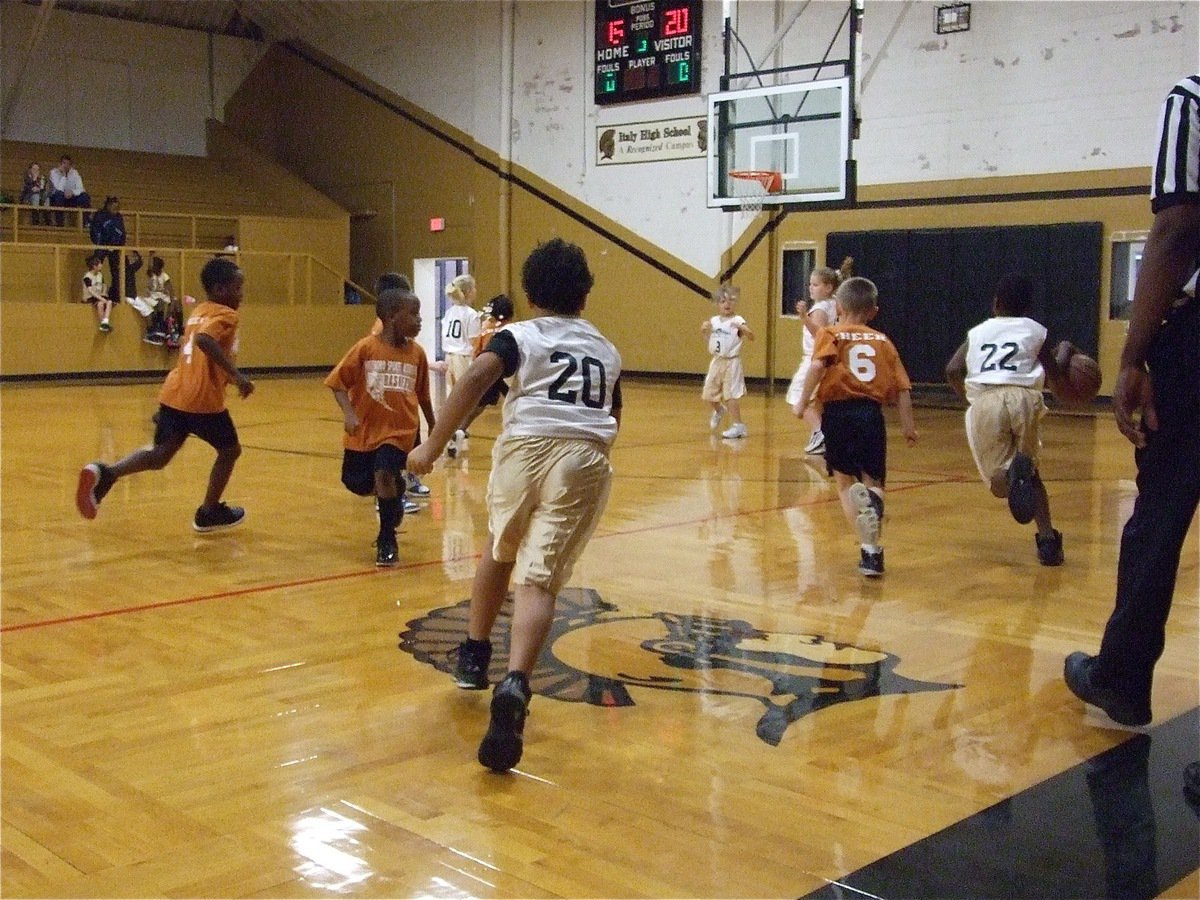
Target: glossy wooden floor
(230, 715)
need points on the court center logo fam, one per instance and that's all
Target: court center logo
(595, 653)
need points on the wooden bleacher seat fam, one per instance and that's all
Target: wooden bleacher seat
(145, 182)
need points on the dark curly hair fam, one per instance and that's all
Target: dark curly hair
(218, 270)
(556, 277)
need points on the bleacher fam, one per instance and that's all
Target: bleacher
(149, 182)
(294, 248)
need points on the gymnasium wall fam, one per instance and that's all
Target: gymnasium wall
(367, 135)
(96, 81)
(1032, 88)
(488, 120)
(650, 302)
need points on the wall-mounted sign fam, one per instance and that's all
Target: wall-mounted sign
(651, 141)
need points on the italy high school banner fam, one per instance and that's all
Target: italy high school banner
(651, 141)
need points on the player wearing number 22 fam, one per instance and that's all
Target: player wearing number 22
(855, 370)
(1001, 368)
(550, 475)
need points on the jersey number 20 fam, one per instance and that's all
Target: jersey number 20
(593, 380)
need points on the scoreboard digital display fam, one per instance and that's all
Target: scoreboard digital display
(646, 49)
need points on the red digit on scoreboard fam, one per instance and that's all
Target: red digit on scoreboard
(616, 32)
(675, 21)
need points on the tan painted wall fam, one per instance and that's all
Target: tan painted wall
(405, 166)
(44, 331)
(651, 317)
(56, 339)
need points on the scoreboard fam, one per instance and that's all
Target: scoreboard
(646, 49)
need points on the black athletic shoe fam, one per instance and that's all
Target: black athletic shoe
(1049, 549)
(471, 669)
(1022, 498)
(1191, 781)
(387, 554)
(501, 747)
(94, 482)
(870, 564)
(224, 516)
(1077, 673)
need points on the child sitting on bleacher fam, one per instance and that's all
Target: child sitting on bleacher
(159, 306)
(93, 289)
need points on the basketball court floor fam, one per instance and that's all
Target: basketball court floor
(726, 708)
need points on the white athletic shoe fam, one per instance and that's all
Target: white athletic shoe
(714, 421)
(816, 444)
(737, 430)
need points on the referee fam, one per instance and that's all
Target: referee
(1157, 405)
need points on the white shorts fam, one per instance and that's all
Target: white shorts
(545, 497)
(797, 385)
(1002, 421)
(456, 366)
(724, 380)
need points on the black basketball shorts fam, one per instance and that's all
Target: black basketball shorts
(855, 438)
(216, 429)
(359, 467)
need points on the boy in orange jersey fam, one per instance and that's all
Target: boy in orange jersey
(379, 385)
(855, 370)
(192, 401)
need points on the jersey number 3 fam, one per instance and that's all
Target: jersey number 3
(593, 380)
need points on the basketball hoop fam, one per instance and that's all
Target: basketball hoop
(753, 186)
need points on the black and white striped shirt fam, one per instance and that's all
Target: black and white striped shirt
(1177, 164)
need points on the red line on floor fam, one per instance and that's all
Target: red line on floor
(323, 579)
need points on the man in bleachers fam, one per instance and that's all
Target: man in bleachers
(66, 189)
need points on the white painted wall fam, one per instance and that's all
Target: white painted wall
(1033, 87)
(100, 82)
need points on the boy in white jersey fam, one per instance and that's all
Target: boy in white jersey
(725, 383)
(460, 327)
(550, 475)
(1000, 369)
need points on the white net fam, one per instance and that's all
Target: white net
(753, 188)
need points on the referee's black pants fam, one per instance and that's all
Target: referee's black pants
(1168, 482)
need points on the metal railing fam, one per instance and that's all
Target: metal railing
(53, 273)
(39, 224)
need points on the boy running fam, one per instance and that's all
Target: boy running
(550, 475)
(855, 370)
(192, 401)
(379, 385)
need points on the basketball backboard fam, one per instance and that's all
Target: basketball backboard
(800, 131)
(781, 128)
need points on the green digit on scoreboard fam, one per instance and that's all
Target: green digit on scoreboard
(608, 82)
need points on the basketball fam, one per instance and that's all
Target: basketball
(1082, 381)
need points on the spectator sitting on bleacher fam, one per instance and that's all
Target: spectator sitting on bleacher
(34, 193)
(66, 189)
(158, 305)
(108, 230)
(93, 290)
